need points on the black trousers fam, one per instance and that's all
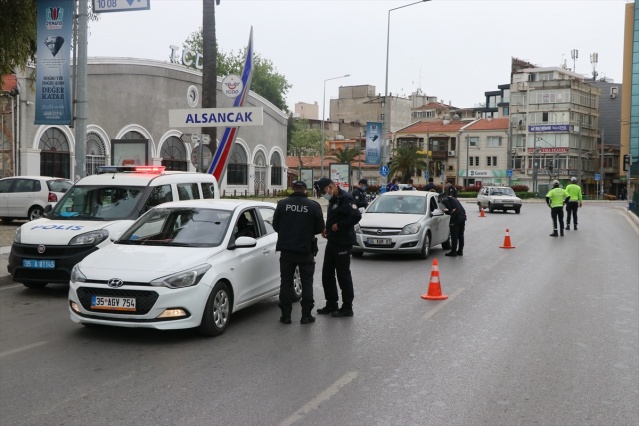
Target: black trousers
(337, 261)
(306, 263)
(557, 213)
(457, 236)
(572, 207)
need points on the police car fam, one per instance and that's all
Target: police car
(92, 214)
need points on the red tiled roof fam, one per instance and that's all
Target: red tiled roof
(9, 82)
(433, 127)
(494, 124)
(314, 162)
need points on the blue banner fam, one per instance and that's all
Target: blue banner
(53, 64)
(549, 128)
(373, 143)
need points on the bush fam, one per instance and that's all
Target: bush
(520, 188)
(472, 188)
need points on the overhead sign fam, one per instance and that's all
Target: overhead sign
(216, 117)
(101, 6)
(549, 150)
(549, 128)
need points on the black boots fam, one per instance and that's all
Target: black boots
(554, 233)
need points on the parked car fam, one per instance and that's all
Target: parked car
(25, 197)
(96, 208)
(402, 222)
(187, 264)
(498, 198)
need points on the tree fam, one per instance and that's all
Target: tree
(346, 156)
(304, 141)
(406, 160)
(17, 34)
(267, 82)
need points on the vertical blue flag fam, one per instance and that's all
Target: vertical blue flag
(373, 143)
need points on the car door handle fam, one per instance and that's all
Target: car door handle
(266, 251)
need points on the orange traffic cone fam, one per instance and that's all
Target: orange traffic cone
(507, 244)
(481, 212)
(434, 286)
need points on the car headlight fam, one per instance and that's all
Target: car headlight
(357, 228)
(182, 279)
(92, 238)
(413, 228)
(77, 276)
(17, 237)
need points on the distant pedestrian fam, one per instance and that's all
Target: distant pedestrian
(359, 193)
(430, 185)
(342, 216)
(297, 220)
(555, 198)
(410, 186)
(623, 193)
(573, 205)
(457, 224)
(392, 186)
(450, 190)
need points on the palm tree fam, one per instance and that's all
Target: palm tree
(406, 160)
(346, 156)
(209, 66)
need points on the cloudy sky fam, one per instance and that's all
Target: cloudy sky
(453, 49)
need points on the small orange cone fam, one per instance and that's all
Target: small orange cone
(481, 212)
(507, 244)
(434, 286)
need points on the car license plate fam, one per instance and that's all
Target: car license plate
(113, 303)
(508, 205)
(38, 264)
(379, 241)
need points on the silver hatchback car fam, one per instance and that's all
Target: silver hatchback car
(402, 222)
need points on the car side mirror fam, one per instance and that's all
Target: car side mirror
(243, 242)
(437, 212)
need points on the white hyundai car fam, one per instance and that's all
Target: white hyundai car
(187, 264)
(402, 222)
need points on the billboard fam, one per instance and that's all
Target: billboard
(373, 143)
(53, 63)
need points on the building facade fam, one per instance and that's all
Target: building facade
(129, 100)
(630, 92)
(306, 111)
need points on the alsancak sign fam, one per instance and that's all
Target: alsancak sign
(216, 117)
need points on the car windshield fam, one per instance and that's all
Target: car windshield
(398, 204)
(97, 203)
(503, 191)
(182, 227)
(59, 185)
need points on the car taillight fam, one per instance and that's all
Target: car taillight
(52, 198)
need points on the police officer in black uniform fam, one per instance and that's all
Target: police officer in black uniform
(297, 220)
(359, 193)
(341, 218)
(457, 224)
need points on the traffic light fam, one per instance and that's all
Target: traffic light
(626, 162)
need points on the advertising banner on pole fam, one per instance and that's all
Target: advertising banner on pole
(373, 143)
(53, 64)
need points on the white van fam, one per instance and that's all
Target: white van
(92, 213)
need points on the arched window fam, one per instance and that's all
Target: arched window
(174, 154)
(54, 154)
(95, 153)
(276, 169)
(260, 172)
(133, 135)
(237, 170)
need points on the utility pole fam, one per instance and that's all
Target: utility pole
(80, 95)
(601, 165)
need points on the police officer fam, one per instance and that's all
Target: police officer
(297, 220)
(555, 198)
(341, 218)
(450, 190)
(457, 224)
(574, 203)
(359, 193)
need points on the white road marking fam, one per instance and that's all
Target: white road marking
(23, 348)
(441, 304)
(11, 286)
(322, 397)
(630, 221)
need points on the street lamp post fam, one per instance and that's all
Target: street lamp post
(385, 128)
(323, 118)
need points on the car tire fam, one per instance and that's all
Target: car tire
(297, 285)
(426, 247)
(447, 245)
(217, 312)
(6, 219)
(35, 212)
(34, 285)
(357, 253)
(490, 208)
(517, 210)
